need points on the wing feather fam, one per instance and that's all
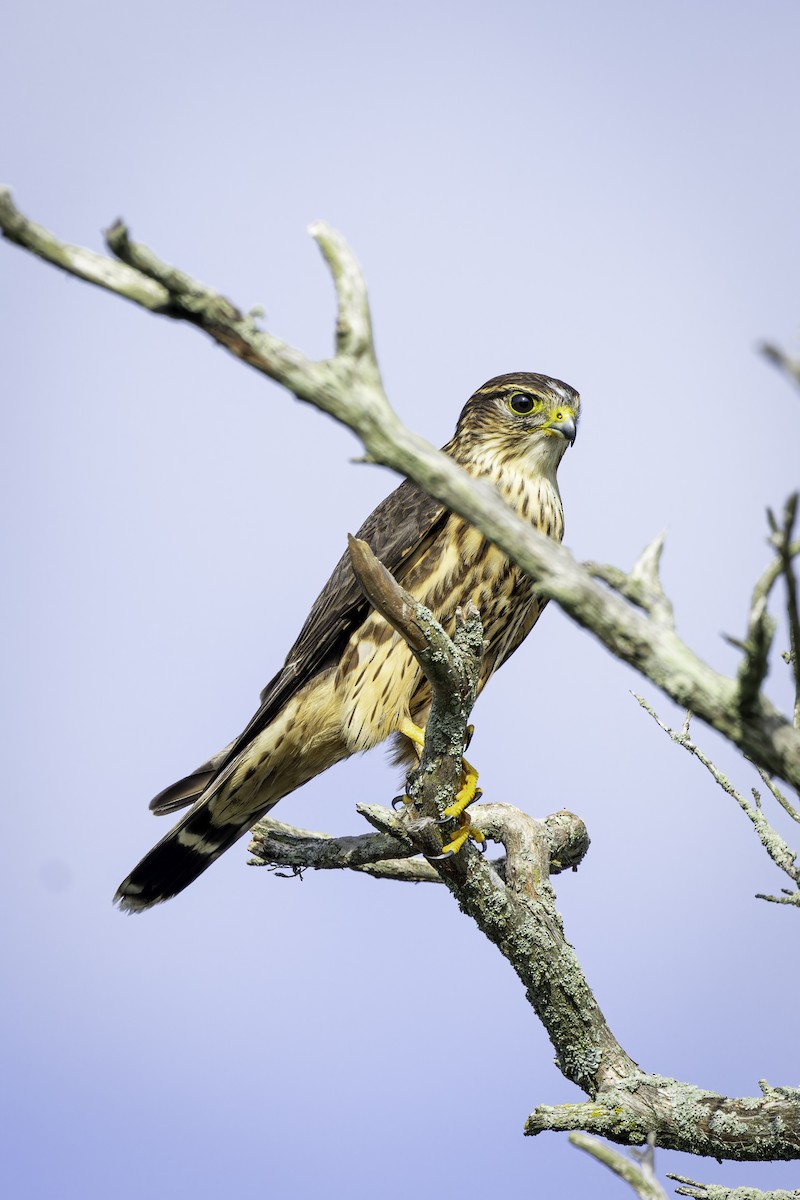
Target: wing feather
(398, 531)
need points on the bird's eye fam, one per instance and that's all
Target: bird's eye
(522, 404)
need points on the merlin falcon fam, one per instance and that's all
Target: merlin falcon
(350, 681)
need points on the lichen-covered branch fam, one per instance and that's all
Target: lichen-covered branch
(643, 585)
(518, 914)
(684, 1117)
(779, 851)
(714, 1191)
(630, 614)
(383, 855)
(788, 808)
(386, 855)
(452, 668)
(348, 387)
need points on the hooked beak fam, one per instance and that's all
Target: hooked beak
(563, 422)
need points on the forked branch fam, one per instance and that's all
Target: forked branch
(516, 911)
(715, 1191)
(631, 615)
(632, 619)
(779, 851)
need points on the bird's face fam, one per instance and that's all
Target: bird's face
(523, 419)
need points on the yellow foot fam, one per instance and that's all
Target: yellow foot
(468, 791)
(465, 831)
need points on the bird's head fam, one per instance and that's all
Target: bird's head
(523, 418)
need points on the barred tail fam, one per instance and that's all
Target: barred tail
(179, 858)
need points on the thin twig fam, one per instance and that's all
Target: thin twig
(780, 359)
(713, 1191)
(640, 1175)
(786, 897)
(782, 540)
(788, 808)
(778, 850)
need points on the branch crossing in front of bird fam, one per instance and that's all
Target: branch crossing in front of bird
(466, 795)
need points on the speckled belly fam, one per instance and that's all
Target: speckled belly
(378, 678)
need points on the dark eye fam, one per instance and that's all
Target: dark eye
(521, 404)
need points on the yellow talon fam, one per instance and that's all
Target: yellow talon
(465, 831)
(453, 846)
(467, 792)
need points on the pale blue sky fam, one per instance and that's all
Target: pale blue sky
(606, 193)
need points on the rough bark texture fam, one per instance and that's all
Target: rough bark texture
(348, 387)
(511, 900)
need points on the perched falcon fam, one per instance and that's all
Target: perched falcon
(350, 681)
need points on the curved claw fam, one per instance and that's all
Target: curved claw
(439, 857)
(468, 738)
(400, 800)
(462, 803)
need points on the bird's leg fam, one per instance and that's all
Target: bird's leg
(415, 735)
(467, 793)
(469, 789)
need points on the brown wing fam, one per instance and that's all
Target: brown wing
(398, 531)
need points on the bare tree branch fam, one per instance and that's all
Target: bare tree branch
(779, 851)
(712, 1191)
(629, 614)
(640, 1175)
(788, 808)
(780, 359)
(643, 586)
(684, 1117)
(772, 574)
(382, 855)
(378, 854)
(80, 262)
(348, 387)
(518, 914)
(755, 663)
(782, 540)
